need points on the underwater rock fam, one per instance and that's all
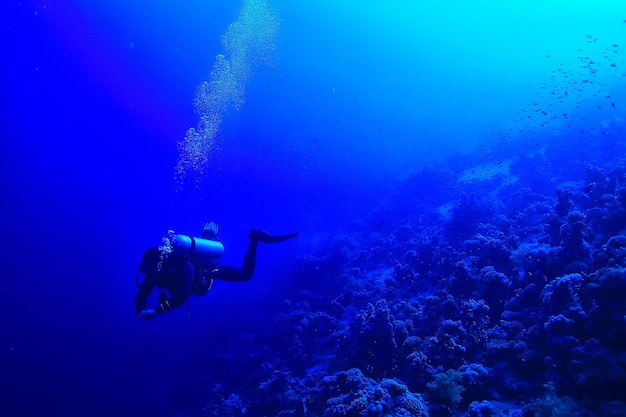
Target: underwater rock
(607, 322)
(551, 404)
(564, 203)
(576, 251)
(475, 318)
(447, 347)
(470, 210)
(352, 394)
(612, 253)
(220, 404)
(475, 378)
(538, 262)
(562, 296)
(371, 345)
(446, 389)
(478, 312)
(490, 251)
(480, 409)
(494, 288)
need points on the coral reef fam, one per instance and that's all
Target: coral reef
(480, 303)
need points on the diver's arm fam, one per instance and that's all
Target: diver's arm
(145, 289)
(179, 290)
(165, 304)
(179, 293)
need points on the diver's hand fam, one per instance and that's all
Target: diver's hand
(146, 314)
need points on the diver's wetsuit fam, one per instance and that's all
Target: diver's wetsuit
(181, 276)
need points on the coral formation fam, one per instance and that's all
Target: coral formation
(511, 304)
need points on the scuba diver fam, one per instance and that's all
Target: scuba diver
(183, 266)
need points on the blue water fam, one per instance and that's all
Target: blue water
(374, 129)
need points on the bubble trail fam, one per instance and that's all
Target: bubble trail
(250, 41)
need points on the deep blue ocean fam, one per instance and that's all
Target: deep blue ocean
(456, 171)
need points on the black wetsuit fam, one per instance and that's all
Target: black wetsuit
(181, 277)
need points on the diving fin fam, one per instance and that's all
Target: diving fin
(257, 235)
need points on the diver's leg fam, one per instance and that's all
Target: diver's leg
(254, 237)
(229, 273)
(249, 259)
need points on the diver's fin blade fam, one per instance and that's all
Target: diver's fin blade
(264, 237)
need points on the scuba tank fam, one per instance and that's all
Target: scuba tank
(202, 251)
(197, 247)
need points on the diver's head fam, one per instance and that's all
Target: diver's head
(149, 262)
(210, 230)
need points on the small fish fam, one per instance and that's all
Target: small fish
(613, 104)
